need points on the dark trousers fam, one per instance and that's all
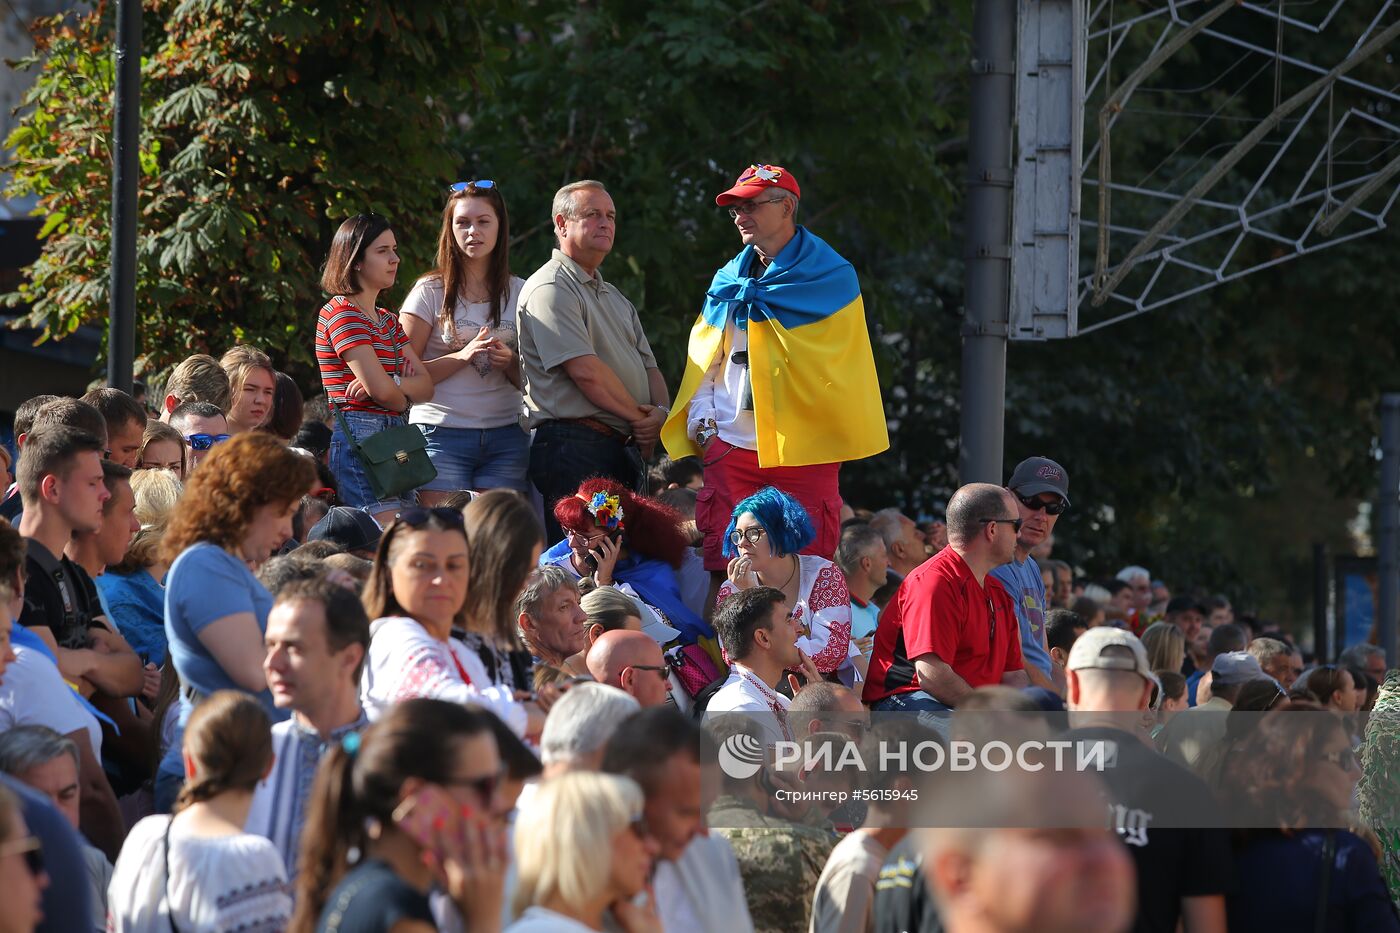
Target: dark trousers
(565, 453)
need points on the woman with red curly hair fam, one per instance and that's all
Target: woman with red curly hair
(234, 514)
(634, 543)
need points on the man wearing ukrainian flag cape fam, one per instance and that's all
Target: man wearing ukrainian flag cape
(780, 386)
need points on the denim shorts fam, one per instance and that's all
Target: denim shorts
(478, 458)
(352, 483)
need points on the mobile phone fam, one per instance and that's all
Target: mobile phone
(427, 814)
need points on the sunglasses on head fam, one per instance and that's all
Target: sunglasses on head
(32, 850)
(417, 517)
(205, 441)
(1035, 504)
(479, 184)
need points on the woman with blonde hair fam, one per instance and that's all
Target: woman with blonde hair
(133, 592)
(197, 870)
(252, 384)
(235, 513)
(581, 850)
(162, 448)
(1166, 646)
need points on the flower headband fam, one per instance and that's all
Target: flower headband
(605, 508)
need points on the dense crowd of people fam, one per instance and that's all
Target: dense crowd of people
(452, 643)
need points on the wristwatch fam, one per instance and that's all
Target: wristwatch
(708, 429)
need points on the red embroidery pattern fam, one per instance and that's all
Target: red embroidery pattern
(424, 675)
(828, 590)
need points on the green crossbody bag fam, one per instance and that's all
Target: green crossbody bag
(395, 459)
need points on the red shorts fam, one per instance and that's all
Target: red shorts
(733, 474)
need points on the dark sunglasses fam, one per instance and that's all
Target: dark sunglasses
(417, 518)
(1013, 522)
(205, 441)
(485, 787)
(1035, 504)
(479, 184)
(32, 850)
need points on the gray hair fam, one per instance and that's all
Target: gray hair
(1357, 655)
(970, 505)
(856, 542)
(564, 197)
(582, 721)
(539, 586)
(1129, 574)
(26, 747)
(887, 523)
(1267, 650)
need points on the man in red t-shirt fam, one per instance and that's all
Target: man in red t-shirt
(952, 628)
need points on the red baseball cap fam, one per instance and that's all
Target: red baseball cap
(755, 179)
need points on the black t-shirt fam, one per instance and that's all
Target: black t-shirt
(1187, 854)
(903, 901)
(371, 899)
(60, 596)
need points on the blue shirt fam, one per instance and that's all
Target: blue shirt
(1027, 588)
(135, 604)
(205, 584)
(1280, 881)
(865, 617)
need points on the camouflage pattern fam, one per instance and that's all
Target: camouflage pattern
(1379, 790)
(780, 863)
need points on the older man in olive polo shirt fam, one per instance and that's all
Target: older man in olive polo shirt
(593, 392)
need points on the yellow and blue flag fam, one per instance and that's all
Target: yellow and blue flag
(816, 397)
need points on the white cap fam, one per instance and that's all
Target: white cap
(656, 626)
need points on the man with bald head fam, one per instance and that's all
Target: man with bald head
(952, 627)
(632, 662)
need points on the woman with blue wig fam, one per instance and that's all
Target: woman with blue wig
(765, 535)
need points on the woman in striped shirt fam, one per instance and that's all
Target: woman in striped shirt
(368, 367)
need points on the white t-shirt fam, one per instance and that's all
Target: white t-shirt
(540, 920)
(216, 884)
(33, 693)
(743, 692)
(721, 393)
(477, 395)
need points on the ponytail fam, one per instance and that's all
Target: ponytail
(333, 828)
(230, 739)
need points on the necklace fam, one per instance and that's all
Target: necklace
(796, 562)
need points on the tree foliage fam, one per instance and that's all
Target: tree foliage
(264, 122)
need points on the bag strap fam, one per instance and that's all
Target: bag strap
(165, 854)
(344, 425)
(1329, 855)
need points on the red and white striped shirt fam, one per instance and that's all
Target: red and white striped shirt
(341, 327)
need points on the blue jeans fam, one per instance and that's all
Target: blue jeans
(352, 483)
(566, 453)
(478, 458)
(931, 713)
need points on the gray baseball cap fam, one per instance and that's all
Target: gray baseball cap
(1035, 475)
(1090, 652)
(1236, 667)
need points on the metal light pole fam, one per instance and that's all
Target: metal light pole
(121, 323)
(1388, 528)
(988, 274)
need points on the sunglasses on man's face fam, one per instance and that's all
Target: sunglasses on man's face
(205, 441)
(1035, 504)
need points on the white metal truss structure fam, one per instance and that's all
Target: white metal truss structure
(1244, 190)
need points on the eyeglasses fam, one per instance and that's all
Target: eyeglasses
(32, 850)
(586, 539)
(1015, 523)
(664, 669)
(484, 786)
(417, 518)
(479, 183)
(753, 535)
(748, 207)
(1344, 759)
(1035, 504)
(205, 441)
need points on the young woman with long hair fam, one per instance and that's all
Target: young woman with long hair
(235, 513)
(133, 591)
(162, 448)
(506, 538)
(461, 319)
(370, 371)
(197, 870)
(415, 597)
(252, 385)
(410, 802)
